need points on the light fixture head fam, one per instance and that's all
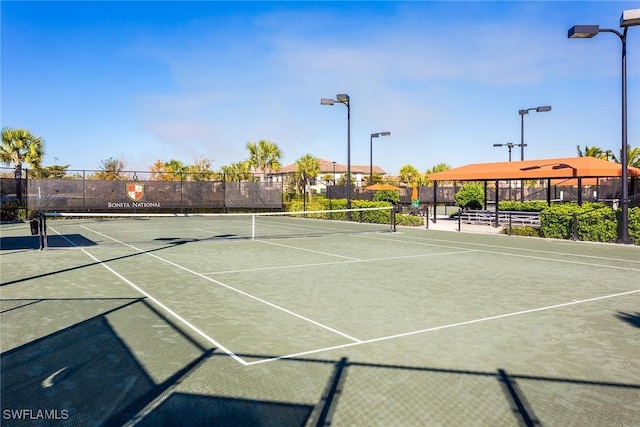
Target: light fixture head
(630, 18)
(543, 109)
(326, 101)
(583, 31)
(343, 97)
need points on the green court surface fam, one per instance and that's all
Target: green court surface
(409, 328)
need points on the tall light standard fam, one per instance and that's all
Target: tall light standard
(374, 135)
(509, 145)
(523, 113)
(343, 98)
(541, 109)
(628, 19)
(334, 172)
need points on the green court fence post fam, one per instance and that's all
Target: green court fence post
(42, 231)
(509, 229)
(459, 219)
(426, 217)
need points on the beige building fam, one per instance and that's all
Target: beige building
(330, 173)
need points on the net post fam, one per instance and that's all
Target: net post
(253, 227)
(42, 231)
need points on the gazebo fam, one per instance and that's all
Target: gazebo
(576, 171)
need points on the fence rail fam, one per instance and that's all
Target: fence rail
(504, 218)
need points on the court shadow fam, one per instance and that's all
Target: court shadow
(632, 319)
(87, 374)
(69, 241)
(19, 242)
(55, 241)
(82, 372)
(79, 267)
(199, 410)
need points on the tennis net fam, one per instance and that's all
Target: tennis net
(90, 229)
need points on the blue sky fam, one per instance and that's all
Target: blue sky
(146, 81)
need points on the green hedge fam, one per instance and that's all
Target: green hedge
(594, 222)
(525, 230)
(321, 204)
(634, 225)
(529, 206)
(410, 220)
(12, 211)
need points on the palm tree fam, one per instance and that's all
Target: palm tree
(633, 157)
(238, 171)
(20, 146)
(440, 167)
(409, 174)
(308, 167)
(264, 155)
(593, 151)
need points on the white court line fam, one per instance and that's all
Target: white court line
(438, 328)
(320, 264)
(534, 250)
(161, 305)
(270, 304)
(565, 261)
(309, 250)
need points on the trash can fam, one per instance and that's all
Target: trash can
(34, 227)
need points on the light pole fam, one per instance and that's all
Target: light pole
(374, 135)
(334, 172)
(540, 109)
(523, 113)
(509, 145)
(343, 98)
(628, 19)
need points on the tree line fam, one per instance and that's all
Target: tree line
(20, 146)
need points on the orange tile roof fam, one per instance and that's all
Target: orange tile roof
(569, 167)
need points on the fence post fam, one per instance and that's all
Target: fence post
(426, 217)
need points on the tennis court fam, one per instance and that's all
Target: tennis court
(195, 321)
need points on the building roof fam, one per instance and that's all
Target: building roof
(327, 167)
(568, 167)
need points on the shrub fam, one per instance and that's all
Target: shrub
(387, 196)
(592, 221)
(470, 196)
(529, 206)
(525, 230)
(409, 220)
(634, 225)
(11, 211)
(374, 216)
